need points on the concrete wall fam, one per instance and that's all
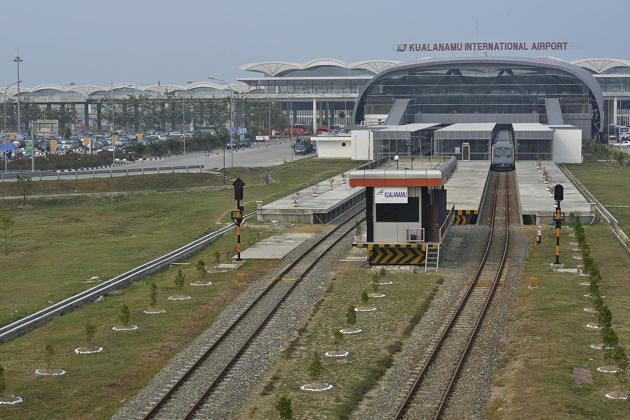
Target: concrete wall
(567, 145)
(333, 147)
(362, 144)
(393, 232)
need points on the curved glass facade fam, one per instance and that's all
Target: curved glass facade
(478, 91)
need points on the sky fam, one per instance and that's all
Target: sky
(145, 41)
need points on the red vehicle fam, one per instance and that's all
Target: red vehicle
(297, 129)
(322, 130)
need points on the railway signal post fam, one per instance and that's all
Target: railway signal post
(558, 196)
(237, 215)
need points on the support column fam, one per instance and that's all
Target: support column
(314, 116)
(615, 111)
(86, 116)
(98, 117)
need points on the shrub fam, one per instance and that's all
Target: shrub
(337, 339)
(90, 332)
(315, 367)
(285, 411)
(153, 295)
(3, 385)
(217, 257)
(364, 297)
(125, 315)
(201, 269)
(351, 315)
(49, 354)
(179, 281)
(604, 317)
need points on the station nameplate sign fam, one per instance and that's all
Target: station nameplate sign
(391, 195)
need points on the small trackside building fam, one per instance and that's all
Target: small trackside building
(406, 209)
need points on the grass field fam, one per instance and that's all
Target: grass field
(609, 183)
(371, 352)
(58, 244)
(96, 385)
(548, 337)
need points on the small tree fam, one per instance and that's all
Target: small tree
(375, 285)
(25, 183)
(217, 257)
(179, 281)
(6, 225)
(201, 269)
(3, 385)
(337, 339)
(620, 358)
(228, 254)
(315, 367)
(125, 315)
(285, 411)
(49, 354)
(364, 297)
(351, 315)
(90, 331)
(610, 341)
(382, 272)
(153, 295)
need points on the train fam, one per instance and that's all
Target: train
(502, 158)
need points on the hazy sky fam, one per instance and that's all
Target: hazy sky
(144, 41)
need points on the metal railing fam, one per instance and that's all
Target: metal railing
(94, 173)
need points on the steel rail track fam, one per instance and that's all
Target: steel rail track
(408, 399)
(343, 227)
(42, 316)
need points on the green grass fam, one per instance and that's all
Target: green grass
(96, 385)
(609, 183)
(371, 352)
(59, 243)
(547, 337)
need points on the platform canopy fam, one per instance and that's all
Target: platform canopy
(425, 173)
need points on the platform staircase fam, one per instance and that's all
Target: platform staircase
(432, 258)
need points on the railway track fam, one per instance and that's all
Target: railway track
(42, 316)
(186, 395)
(434, 380)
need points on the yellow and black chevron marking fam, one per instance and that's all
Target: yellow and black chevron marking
(395, 254)
(466, 217)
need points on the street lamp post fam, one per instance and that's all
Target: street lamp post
(230, 126)
(17, 60)
(5, 103)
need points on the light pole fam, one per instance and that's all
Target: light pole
(5, 103)
(113, 121)
(17, 60)
(230, 126)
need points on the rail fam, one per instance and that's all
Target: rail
(42, 316)
(156, 407)
(402, 410)
(447, 222)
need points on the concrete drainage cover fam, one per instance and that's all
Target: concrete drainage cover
(179, 297)
(336, 354)
(364, 309)
(316, 387)
(88, 350)
(617, 395)
(127, 328)
(582, 376)
(350, 330)
(376, 295)
(51, 372)
(11, 400)
(155, 311)
(608, 369)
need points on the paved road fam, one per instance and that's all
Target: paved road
(259, 155)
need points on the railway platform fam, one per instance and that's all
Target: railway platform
(466, 189)
(317, 204)
(536, 200)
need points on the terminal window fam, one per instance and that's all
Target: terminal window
(409, 212)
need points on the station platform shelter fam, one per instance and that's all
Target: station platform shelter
(407, 215)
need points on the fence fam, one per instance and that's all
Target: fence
(94, 173)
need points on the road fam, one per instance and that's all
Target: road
(259, 155)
